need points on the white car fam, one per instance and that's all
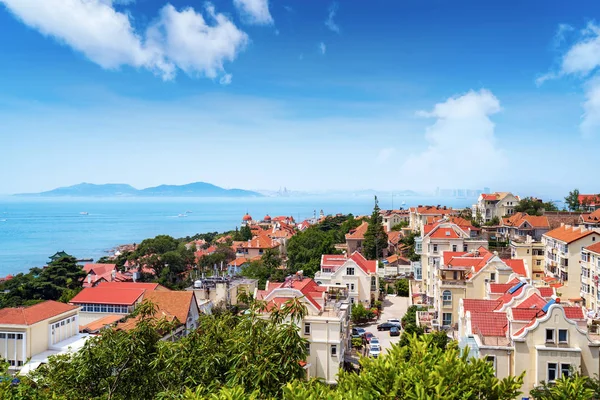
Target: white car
(373, 341)
(374, 350)
(395, 321)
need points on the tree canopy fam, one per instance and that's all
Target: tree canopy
(60, 280)
(572, 200)
(533, 206)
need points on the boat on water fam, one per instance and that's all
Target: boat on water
(84, 213)
(182, 215)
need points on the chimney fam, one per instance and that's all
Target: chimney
(113, 274)
(89, 279)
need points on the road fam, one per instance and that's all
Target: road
(393, 307)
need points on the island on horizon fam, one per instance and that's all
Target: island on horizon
(195, 189)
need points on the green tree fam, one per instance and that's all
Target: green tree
(409, 242)
(376, 240)
(495, 221)
(158, 245)
(305, 249)
(246, 233)
(572, 200)
(533, 206)
(565, 388)
(360, 314)
(402, 287)
(400, 225)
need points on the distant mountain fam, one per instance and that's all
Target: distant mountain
(197, 189)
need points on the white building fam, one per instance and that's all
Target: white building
(498, 204)
(355, 273)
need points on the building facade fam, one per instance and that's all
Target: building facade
(495, 205)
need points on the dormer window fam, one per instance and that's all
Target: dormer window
(350, 271)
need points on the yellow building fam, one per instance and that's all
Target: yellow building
(590, 277)
(39, 330)
(532, 254)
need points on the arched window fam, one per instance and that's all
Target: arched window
(447, 298)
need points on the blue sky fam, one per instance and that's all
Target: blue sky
(307, 94)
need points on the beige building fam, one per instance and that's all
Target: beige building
(498, 204)
(36, 332)
(355, 273)
(215, 291)
(563, 255)
(356, 237)
(422, 215)
(468, 275)
(521, 225)
(326, 326)
(435, 240)
(394, 217)
(532, 254)
(525, 332)
(590, 273)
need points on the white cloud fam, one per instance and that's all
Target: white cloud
(322, 48)
(561, 33)
(581, 60)
(384, 155)
(225, 79)
(329, 22)
(176, 39)
(254, 11)
(461, 143)
(590, 124)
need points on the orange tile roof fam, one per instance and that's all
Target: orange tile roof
(394, 236)
(238, 261)
(307, 286)
(99, 269)
(132, 285)
(546, 291)
(591, 199)
(97, 325)
(518, 219)
(574, 312)
(517, 265)
(359, 232)
(524, 314)
(569, 234)
(396, 258)
(34, 314)
(433, 210)
(595, 248)
(444, 233)
(500, 287)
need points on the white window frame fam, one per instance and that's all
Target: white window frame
(556, 372)
(447, 298)
(561, 369)
(566, 341)
(553, 336)
(350, 271)
(307, 328)
(333, 350)
(443, 319)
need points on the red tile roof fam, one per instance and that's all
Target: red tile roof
(99, 269)
(444, 233)
(34, 314)
(500, 287)
(368, 266)
(478, 305)
(535, 301)
(132, 285)
(448, 255)
(546, 291)
(574, 312)
(108, 295)
(332, 261)
(94, 327)
(517, 265)
(489, 323)
(432, 210)
(524, 314)
(359, 232)
(518, 219)
(591, 199)
(569, 234)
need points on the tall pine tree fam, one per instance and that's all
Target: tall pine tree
(376, 240)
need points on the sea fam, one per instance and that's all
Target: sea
(32, 229)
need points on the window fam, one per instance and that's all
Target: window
(19, 336)
(350, 271)
(333, 350)
(68, 321)
(352, 287)
(538, 262)
(563, 336)
(62, 323)
(465, 247)
(492, 360)
(307, 328)
(492, 277)
(454, 248)
(2, 335)
(19, 363)
(447, 319)
(373, 284)
(103, 308)
(549, 335)
(552, 372)
(308, 349)
(11, 336)
(435, 248)
(565, 370)
(447, 298)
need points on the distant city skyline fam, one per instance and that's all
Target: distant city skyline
(310, 95)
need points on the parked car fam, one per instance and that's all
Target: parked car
(386, 326)
(394, 331)
(394, 321)
(373, 341)
(374, 350)
(358, 332)
(368, 336)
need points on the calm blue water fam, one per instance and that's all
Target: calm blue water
(33, 229)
